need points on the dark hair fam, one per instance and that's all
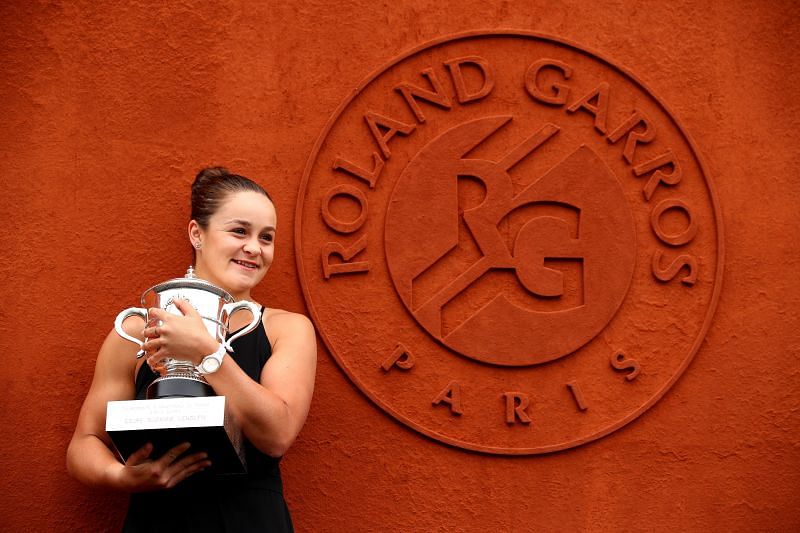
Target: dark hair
(212, 185)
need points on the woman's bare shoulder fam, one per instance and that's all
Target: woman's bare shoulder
(281, 324)
(282, 318)
(118, 354)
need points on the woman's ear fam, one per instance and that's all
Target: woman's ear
(195, 233)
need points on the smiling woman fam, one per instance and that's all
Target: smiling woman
(234, 243)
(268, 380)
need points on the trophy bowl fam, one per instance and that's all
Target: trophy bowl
(180, 378)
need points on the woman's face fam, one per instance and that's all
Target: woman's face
(238, 245)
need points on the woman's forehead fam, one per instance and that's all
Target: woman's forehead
(249, 207)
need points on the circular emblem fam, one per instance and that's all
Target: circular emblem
(508, 243)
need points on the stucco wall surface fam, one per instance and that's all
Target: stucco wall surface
(109, 108)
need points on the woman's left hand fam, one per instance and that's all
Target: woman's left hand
(179, 337)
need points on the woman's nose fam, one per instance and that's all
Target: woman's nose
(251, 247)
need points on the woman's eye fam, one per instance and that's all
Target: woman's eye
(240, 231)
(266, 238)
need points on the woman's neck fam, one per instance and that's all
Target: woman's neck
(199, 271)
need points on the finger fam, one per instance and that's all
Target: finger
(185, 307)
(152, 346)
(172, 454)
(179, 476)
(190, 461)
(155, 321)
(156, 361)
(185, 466)
(140, 456)
(156, 315)
(154, 352)
(153, 332)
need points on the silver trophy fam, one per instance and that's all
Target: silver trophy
(181, 406)
(179, 378)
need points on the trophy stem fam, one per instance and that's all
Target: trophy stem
(180, 380)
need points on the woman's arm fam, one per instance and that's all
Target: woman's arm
(89, 456)
(272, 410)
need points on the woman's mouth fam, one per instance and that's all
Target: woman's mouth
(249, 265)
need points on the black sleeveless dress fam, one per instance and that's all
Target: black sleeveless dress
(233, 504)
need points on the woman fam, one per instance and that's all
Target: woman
(267, 381)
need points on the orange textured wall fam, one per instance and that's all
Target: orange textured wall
(108, 109)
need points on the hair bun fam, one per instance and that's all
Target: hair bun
(210, 174)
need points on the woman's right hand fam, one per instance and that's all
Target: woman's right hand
(140, 473)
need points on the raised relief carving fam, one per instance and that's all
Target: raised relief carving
(412, 92)
(595, 103)
(577, 395)
(638, 129)
(337, 224)
(369, 176)
(516, 408)
(557, 93)
(669, 272)
(469, 94)
(450, 395)
(549, 222)
(622, 363)
(384, 128)
(528, 204)
(658, 176)
(401, 358)
(677, 238)
(330, 249)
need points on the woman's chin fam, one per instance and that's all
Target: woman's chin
(242, 282)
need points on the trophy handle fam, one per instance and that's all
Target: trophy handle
(121, 332)
(237, 306)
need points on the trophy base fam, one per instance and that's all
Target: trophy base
(178, 387)
(168, 422)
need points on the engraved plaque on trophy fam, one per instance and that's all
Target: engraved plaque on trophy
(181, 406)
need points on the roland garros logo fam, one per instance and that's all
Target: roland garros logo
(508, 243)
